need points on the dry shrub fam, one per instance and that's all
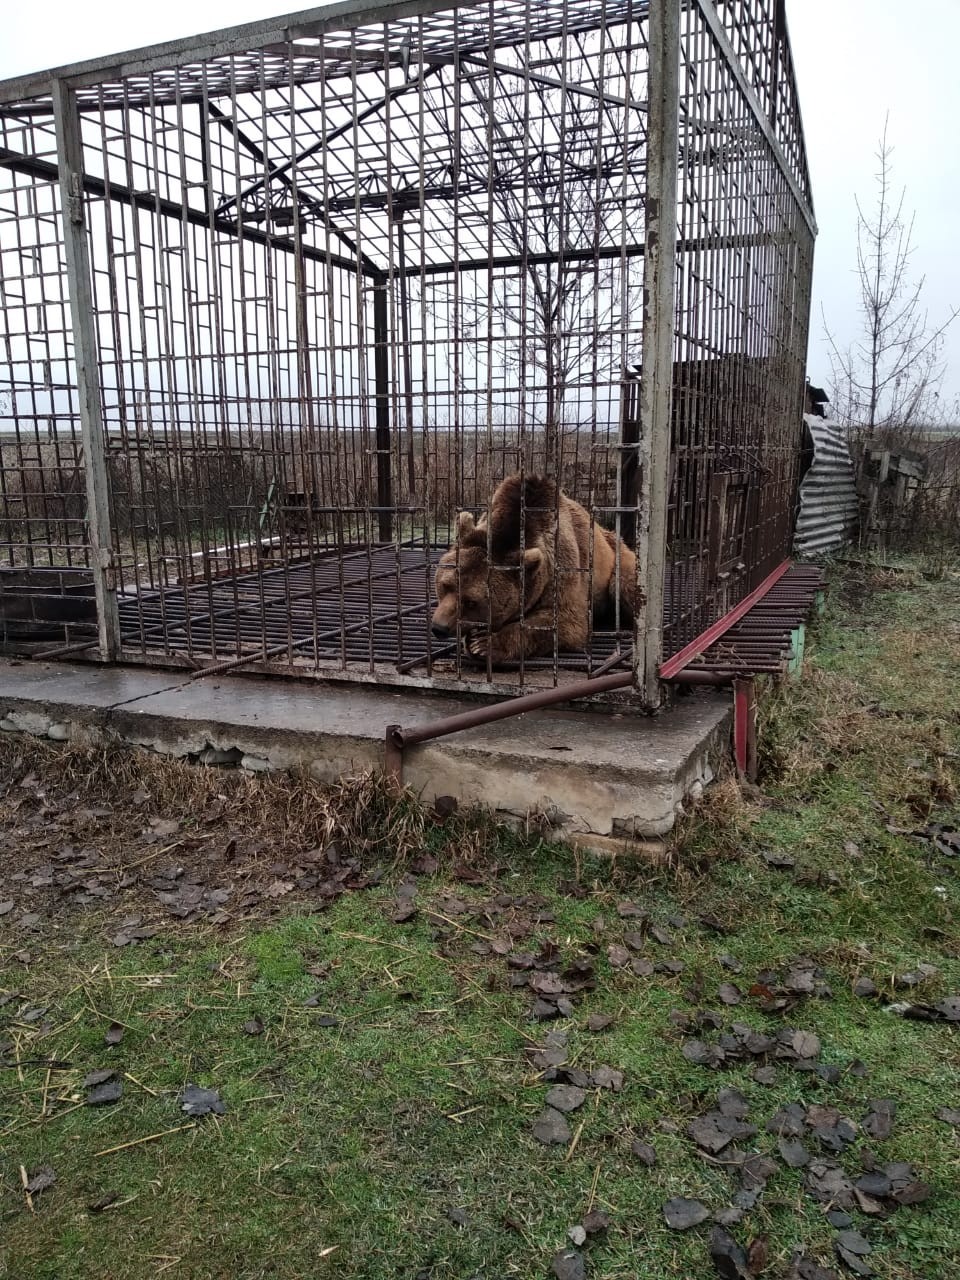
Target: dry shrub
(364, 815)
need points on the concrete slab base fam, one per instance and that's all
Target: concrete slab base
(618, 777)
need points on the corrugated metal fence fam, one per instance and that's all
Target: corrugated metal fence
(828, 492)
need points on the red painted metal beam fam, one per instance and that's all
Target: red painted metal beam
(712, 634)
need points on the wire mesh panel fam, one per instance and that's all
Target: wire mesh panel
(744, 263)
(347, 282)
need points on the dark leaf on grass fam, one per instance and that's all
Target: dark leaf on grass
(404, 911)
(800, 982)
(669, 966)
(102, 1095)
(113, 1034)
(631, 911)
(565, 1007)
(635, 941)
(196, 1101)
(542, 1011)
(804, 1268)
(698, 1052)
(949, 1115)
(755, 1170)
(715, 1131)
(40, 1179)
(913, 1193)
(681, 1213)
(577, 1235)
(773, 858)
(547, 984)
(728, 1258)
(851, 1249)
(641, 967)
(758, 1254)
(98, 1077)
(879, 1120)
(765, 1075)
(866, 1204)
(915, 977)
(607, 1078)
(6, 907)
(599, 1021)
(729, 993)
(793, 1153)
(789, 1121)
(566, 1097)
(730, 1216)
(805, 1044)
(328, 1020)
(104, 1202)
(618, 955)
(253, 1027)
(729, 962)
(829, 1184)
(949, 1008)
(551, 1128)
(595, 1222)
(837, 1218)
(644, 1152)
(661, 935)
(731, 1102)
(569, 1265)
(444, 807)
(864, 986)
(828, 1073)
(459, 1217)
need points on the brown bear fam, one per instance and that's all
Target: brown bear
(565, 558)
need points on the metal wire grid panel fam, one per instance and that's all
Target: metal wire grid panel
(343, 284)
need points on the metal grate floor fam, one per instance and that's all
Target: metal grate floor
(365, 609)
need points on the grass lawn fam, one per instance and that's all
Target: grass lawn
(362, 987)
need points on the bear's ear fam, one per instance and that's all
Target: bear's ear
(532, 558)
(465, 524)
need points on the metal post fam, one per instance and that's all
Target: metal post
(381, 374)
(659, 281)
(70, 163)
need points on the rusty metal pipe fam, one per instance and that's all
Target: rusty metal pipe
(398, 738)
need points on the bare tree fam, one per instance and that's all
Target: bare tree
(563, 312)
(892, 374)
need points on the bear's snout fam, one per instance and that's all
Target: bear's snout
(440, 630)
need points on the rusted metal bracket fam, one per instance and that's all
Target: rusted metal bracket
(745, 728)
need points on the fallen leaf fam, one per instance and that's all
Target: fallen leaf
(607, 1078)
(578, 1235)
(728, 1258)
(618, 955)
(551, 1128)
(459, 1217)
(805, 1044)
(113, 1034)
(644, 1152)
(793, 1153)
(949, 1115)
(864, 986)
(758, 1254)
(599, 1021)
(852, 1248)
(102, 1095)
(278, 888)
(196, 1101)
(41, 1178)
(104, 1202)
(729, 993)
(6, 907)
(782, 861)
(94, 1078)
(681, 1213)
(595, 1222)
(566, 1098)
(253, 1027)
(569, 1265)
(879, 1120)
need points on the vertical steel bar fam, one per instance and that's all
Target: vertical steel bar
(381, 366)
(658, 321)
(70, 162)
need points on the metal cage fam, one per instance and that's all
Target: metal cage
(277, 303)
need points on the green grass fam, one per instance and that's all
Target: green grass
(358, 1138)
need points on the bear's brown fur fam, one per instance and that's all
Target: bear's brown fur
(548, 584)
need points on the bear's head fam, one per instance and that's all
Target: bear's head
(475, 591)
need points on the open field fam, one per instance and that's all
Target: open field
(386, 1000)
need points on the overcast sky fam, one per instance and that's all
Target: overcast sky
(856, 60)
